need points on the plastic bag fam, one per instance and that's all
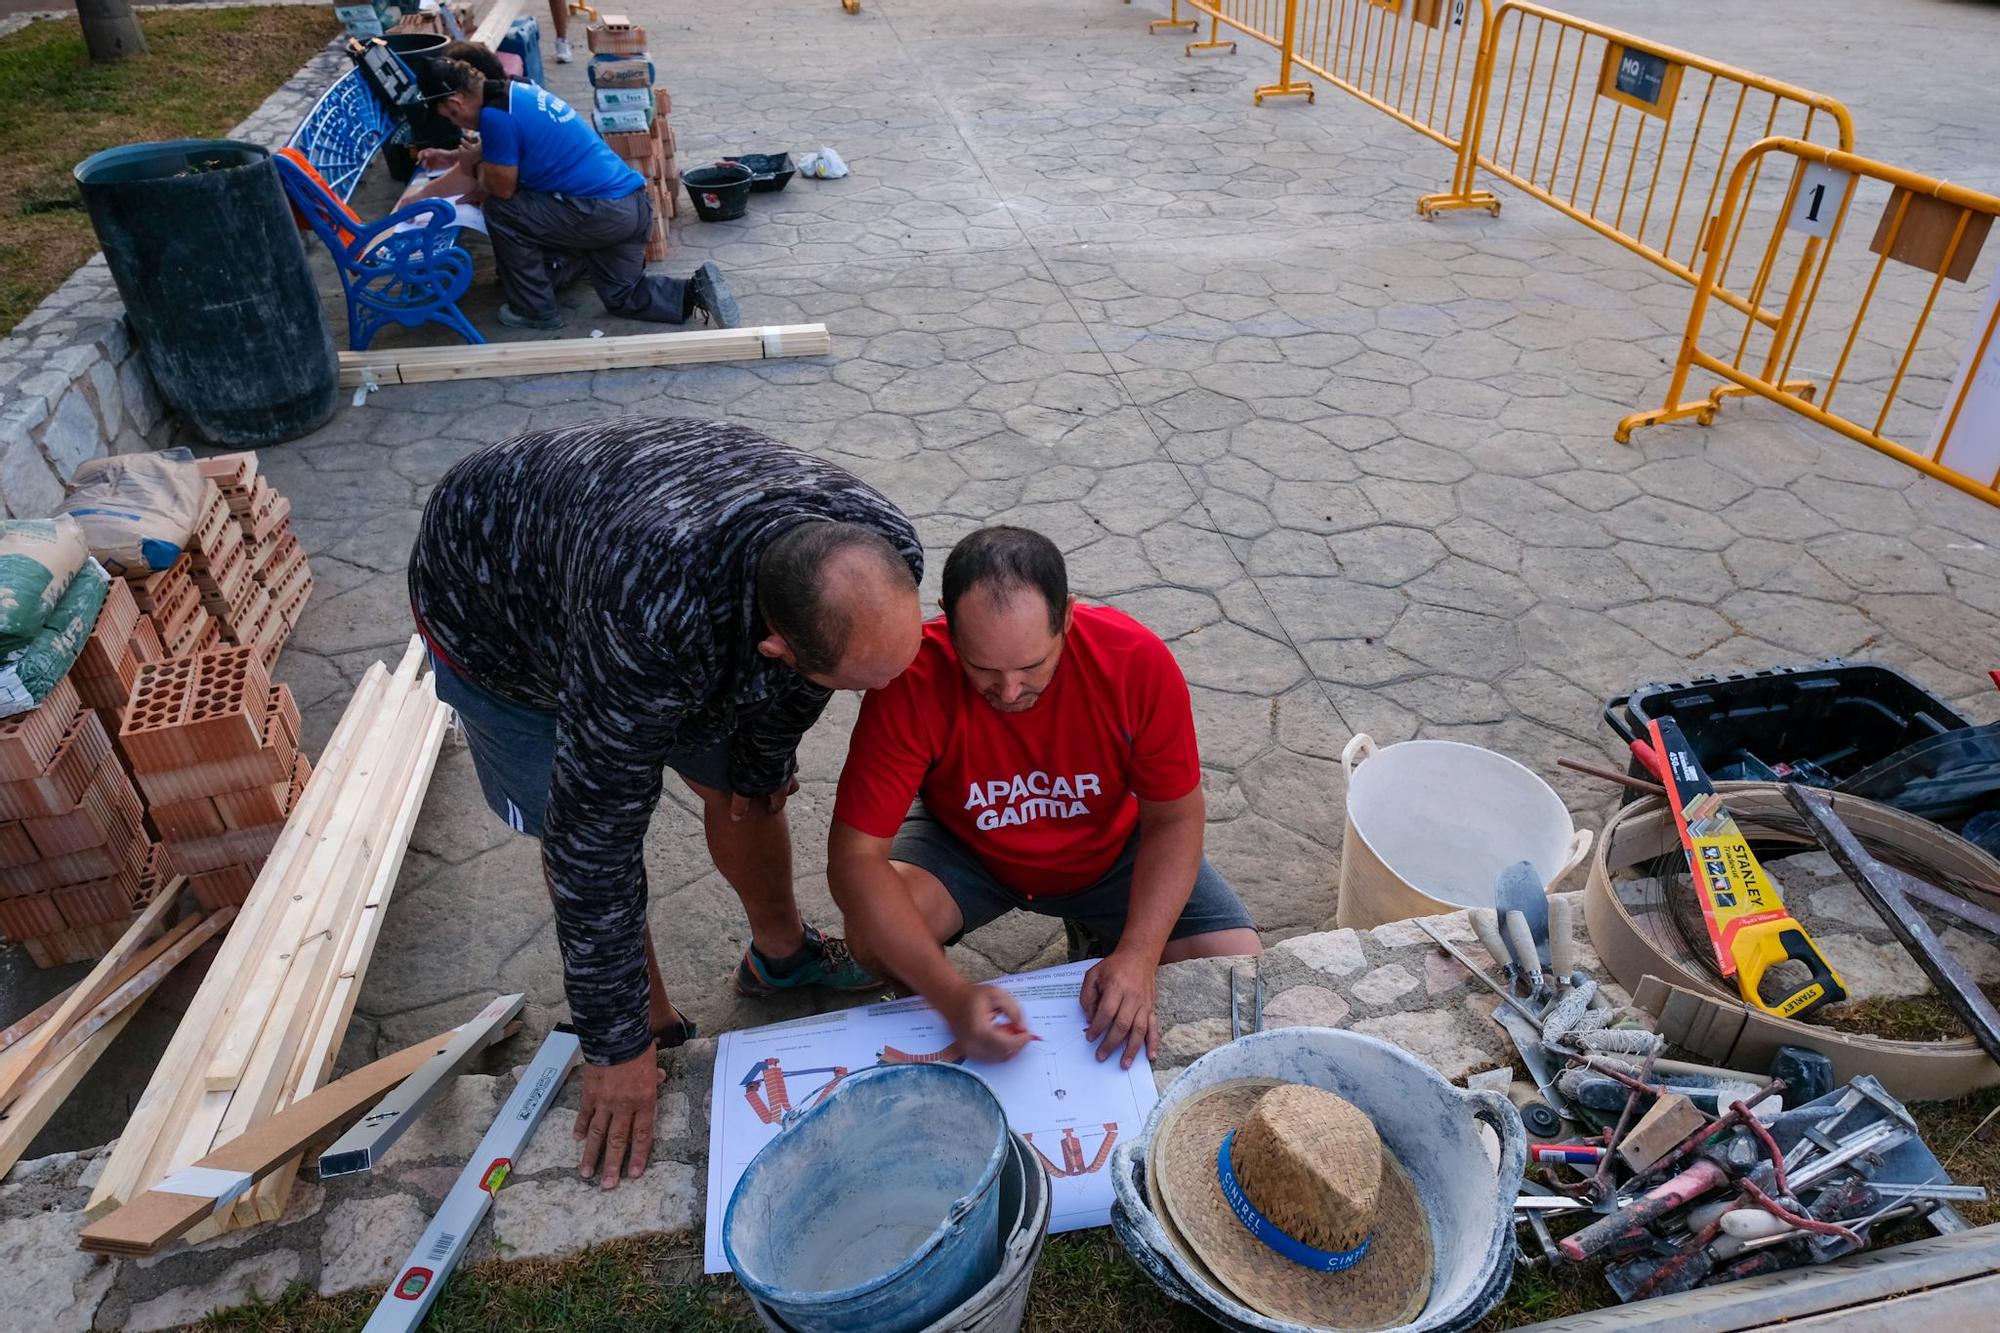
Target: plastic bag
(38, 558)
(823, 165)
(137, 509)
(27, 674)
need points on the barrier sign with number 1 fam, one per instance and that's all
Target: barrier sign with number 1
(1817, 203)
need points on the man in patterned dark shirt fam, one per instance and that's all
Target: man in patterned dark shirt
(623, 596)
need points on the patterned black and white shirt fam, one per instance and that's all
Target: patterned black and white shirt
(606, 572)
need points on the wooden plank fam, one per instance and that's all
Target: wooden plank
(317, 1054)
(13, 1057)
(156, 1217)
(27, 1023)
(191, 1046)
(548, 356)
(190, 1118)
(27, 1116)
(141, 983)
(256, 1006)
(493, 27)
(94, 987)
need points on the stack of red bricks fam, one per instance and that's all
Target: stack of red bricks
(215, 749)
(124, 639)
(622, 65)
(173, 600)
(249, 516)
(75, 860)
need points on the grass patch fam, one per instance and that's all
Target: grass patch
(207, 69)
(1084, 1283)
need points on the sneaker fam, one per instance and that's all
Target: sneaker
(712, 298)
(562, 50)
(832, 967)
(513, 319)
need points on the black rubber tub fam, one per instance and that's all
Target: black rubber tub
(769, 172)
(720, 192)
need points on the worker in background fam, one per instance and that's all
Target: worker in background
(559, 20)
(1050, 749)
(556, 196)
(634, 594)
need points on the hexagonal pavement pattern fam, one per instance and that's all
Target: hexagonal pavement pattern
(1355, 467)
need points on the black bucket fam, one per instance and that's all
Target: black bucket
(428, 128)
(720, 192)
(769, 172)
(203, 248)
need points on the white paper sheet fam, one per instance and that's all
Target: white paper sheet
(1072, 1109)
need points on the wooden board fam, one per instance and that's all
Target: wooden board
(493, 26)
(549, 356)
(31, 1111)
(154, 1218)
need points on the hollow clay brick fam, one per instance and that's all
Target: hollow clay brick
(84, 750)
(197, 710)
(94, 903)
(227, 887)
(287, 709)
(121, 859)
(109, 813)
(16, 847)
(270, 764)
(28, 740)
(186, 821)
(26, 918)
(229, 470)
(255, 807)
(233, 847)
(272, 510)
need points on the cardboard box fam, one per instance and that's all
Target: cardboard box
(620, 72)
(622, 99)
(627, 120)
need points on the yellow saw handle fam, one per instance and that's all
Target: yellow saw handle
(1760, 947)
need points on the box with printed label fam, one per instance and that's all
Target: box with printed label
(359, 20)
(623, 121)
(622, 99)
(620, 72)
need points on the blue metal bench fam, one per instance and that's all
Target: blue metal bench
(406, 277)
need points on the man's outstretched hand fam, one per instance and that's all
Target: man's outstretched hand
(1117, 1000)
(972, 1012)
(615, 1121)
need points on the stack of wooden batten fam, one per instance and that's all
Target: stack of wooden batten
(46, 1054)
(265, 1026)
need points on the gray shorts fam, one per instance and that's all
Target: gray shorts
(1100, 909)
(514, 751)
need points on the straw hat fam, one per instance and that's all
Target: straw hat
(1341, 1240)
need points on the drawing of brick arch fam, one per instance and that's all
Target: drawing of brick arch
(948, 1054)
(767, 1089)
(1071, 1148)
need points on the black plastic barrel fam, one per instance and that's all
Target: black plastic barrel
(207, 258)
(428, 129)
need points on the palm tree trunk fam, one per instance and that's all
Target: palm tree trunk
(110, 30)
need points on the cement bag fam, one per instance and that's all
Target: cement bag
(137, 509)
(38, 558)
(28, 673)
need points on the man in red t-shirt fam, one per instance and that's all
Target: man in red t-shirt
(1053, 749)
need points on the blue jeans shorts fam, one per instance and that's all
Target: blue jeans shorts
(1100, 909)
(514, 751)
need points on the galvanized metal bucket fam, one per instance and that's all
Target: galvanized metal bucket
(877, 1210)
(1431, 1126)
(1002, 1304)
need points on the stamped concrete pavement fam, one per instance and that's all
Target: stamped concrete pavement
(1355, 467)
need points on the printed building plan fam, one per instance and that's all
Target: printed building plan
(1071, 1109)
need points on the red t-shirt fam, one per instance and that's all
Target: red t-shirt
(1045, 798)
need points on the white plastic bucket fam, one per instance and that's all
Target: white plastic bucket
(1431, 824)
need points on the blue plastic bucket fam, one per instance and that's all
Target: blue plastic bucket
(879, 1209)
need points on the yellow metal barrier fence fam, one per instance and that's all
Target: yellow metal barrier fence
(1929, 233)
(1625, 135)
(1415, 59)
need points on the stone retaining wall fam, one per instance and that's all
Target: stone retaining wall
(73, 386)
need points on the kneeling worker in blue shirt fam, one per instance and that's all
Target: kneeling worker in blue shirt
(555, 194)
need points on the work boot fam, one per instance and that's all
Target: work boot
(514, 319)
(562, 50)
(823, 961)
(710, 295)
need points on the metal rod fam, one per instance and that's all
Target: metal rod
(1473, 968)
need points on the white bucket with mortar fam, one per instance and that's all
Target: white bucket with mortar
(1431, 824)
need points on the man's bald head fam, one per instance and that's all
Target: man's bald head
(841, 605)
